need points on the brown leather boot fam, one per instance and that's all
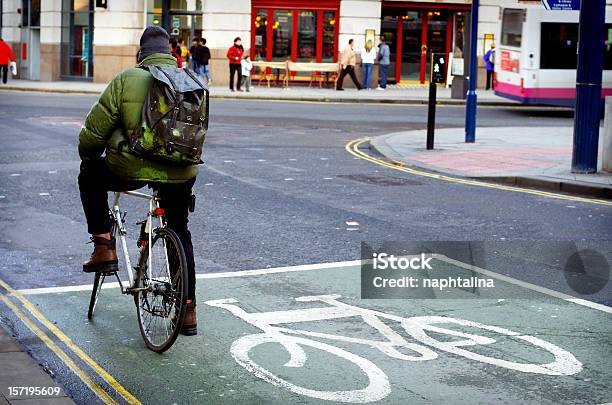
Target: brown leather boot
(190, 324)
(104, 256)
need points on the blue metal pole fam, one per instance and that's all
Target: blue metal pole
(470, 110)
(588, 86)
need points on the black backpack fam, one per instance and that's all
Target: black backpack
(174, 117)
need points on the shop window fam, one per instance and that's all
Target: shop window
(274, 38)
(261, 34)
(512, 27)
(282, 33)
(307, 33)
(77, 38)
(329, 36)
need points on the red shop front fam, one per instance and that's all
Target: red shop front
(296, 30)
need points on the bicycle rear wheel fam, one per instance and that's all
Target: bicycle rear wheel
(161, 299)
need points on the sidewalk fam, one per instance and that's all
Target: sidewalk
(537, 157)
(392, 95)
(18, 369)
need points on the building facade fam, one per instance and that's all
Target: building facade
(95, 39)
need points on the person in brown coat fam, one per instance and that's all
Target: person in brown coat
(347, 64)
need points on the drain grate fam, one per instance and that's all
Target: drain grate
(380, 180)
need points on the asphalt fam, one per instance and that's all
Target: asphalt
(278, 189)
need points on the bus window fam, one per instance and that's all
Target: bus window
(512, 27)
(561, 48)
(608, 47)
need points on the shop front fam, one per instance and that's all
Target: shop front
(414, 31)
(299, 31)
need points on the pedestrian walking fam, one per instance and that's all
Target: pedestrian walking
(6, 58)
(368, 58)
(185, 54)
(347, 64)
(234, 56)
(175, 50)
(489, 59)
(247, 66)
(107, 164)
(203, 57)
(193, 63)
(384, 59)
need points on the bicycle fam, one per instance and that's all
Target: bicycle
(378, 386)
(159, 287)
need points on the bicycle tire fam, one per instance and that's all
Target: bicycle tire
(178, 290)
(95, 294)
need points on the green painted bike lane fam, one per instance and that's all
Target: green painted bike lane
(534, 349)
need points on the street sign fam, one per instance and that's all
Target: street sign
(561, 4)
(438, 68)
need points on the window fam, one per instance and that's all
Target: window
(512, 27)
(282, 32)
(561, 49)
(561, 46)
(25, 13)
(261, 35)
(329, 36)
(307, 36)
(34, 13)
(77, 38)
(608, 47)
(296, 34)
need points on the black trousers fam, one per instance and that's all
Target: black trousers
(348, 70)
(235, 70)
(489, 77)
(4, 70)
(95, 180)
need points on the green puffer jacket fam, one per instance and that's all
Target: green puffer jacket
(116, 115)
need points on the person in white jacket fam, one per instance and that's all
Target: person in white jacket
(247, 66)
(368, 57)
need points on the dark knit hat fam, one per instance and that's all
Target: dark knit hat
(154, 39)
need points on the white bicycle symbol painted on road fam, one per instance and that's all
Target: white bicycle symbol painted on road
(379, 387)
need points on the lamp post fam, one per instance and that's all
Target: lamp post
(470, 109)
(588, 86)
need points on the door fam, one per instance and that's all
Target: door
(389, 29)
(412, 33)
(34, 54)
(437, 38)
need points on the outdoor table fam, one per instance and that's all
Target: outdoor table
(313, 67)
(264, 66)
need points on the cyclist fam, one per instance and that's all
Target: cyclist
(108, 165)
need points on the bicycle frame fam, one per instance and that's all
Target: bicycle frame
(122, 232)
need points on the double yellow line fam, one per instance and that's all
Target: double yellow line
(84, 376)
(352, 147)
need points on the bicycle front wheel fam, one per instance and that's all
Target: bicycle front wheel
(161, 285)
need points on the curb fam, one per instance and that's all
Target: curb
(312, 99)
(540, 183)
